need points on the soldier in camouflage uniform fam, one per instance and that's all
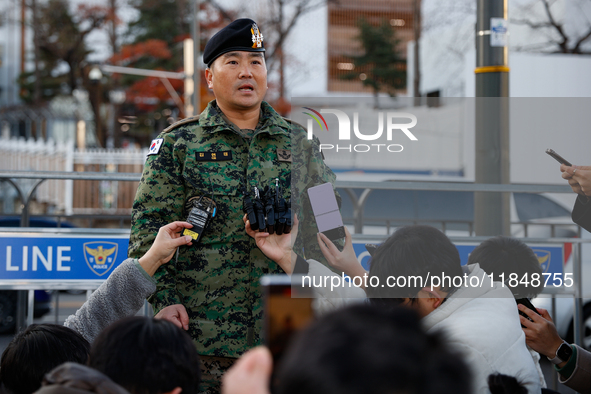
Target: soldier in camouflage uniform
(237, 142)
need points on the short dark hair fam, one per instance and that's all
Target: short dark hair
(35, 351)
(365, 349)
(506, 255)
(410, 252)
(147, 356)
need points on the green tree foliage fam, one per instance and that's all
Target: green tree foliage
(154, 41)
(383, 67)
(60, 35)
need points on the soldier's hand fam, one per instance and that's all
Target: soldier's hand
(169, 238)
(278, 248)
(176, 314)
(251, 374)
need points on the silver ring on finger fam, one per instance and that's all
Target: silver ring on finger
(575, 170)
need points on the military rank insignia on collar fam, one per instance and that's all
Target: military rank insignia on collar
(155, 146)
(284, 155)
(213, 156)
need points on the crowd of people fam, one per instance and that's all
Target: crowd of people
(421, 336)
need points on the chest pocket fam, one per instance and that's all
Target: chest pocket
(274, 161)
(222, 180)
(219, 177)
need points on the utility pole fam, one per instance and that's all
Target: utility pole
(491, 210)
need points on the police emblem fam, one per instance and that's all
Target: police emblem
(543, 258)
(100, 256)
(257, 37)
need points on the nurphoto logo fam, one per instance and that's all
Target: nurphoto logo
(393, 127)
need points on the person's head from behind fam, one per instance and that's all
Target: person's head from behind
(365, 349)
(147, 356)
(406, 264)
(509, 258)
(37, 350)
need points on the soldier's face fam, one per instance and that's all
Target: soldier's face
(238, 80)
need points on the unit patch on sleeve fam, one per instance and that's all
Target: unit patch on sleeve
(284, 155)
(155, 146)
(213, 156)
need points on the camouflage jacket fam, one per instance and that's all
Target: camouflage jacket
(218, 279)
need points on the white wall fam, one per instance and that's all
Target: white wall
(540, 75)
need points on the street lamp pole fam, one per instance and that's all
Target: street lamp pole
(95, 75)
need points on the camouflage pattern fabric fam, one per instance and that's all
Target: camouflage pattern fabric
(212, 370)
(217, 280)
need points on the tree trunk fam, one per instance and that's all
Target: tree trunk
(281, 74)
(113, 26)
(35, 22)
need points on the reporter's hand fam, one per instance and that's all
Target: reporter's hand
(346, 260)
(541, 334)
(579, 180)
(176, 314)
(278, 248)
(251, 373)
(167, 240)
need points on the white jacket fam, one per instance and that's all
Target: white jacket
(483, 324)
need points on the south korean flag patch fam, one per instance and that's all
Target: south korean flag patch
(155, 146)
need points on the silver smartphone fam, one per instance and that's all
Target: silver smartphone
(326, 211)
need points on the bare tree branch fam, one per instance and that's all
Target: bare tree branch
(563, 45)
(577, 47)
(221, 10)
(533, 25)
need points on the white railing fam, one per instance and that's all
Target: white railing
(68, 196)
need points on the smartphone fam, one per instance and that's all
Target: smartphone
(558, 158)
(326, 211)
(527, 303)
(371, 248)
(288, 309)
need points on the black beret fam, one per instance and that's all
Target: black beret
(240, 35)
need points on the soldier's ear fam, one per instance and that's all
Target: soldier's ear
(209, 77)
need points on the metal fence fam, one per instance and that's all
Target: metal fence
(358, 200)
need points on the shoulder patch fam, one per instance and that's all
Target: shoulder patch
(181, 122)
(155, 146)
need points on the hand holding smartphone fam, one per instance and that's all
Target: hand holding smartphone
(558, 158)
(288, 309)
(326, 211)
(527, 303)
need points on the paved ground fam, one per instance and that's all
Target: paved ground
(69, 303)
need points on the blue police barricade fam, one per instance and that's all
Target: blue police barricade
(52, 259)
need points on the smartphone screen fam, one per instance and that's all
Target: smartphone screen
(326, 211)
(288, 309)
